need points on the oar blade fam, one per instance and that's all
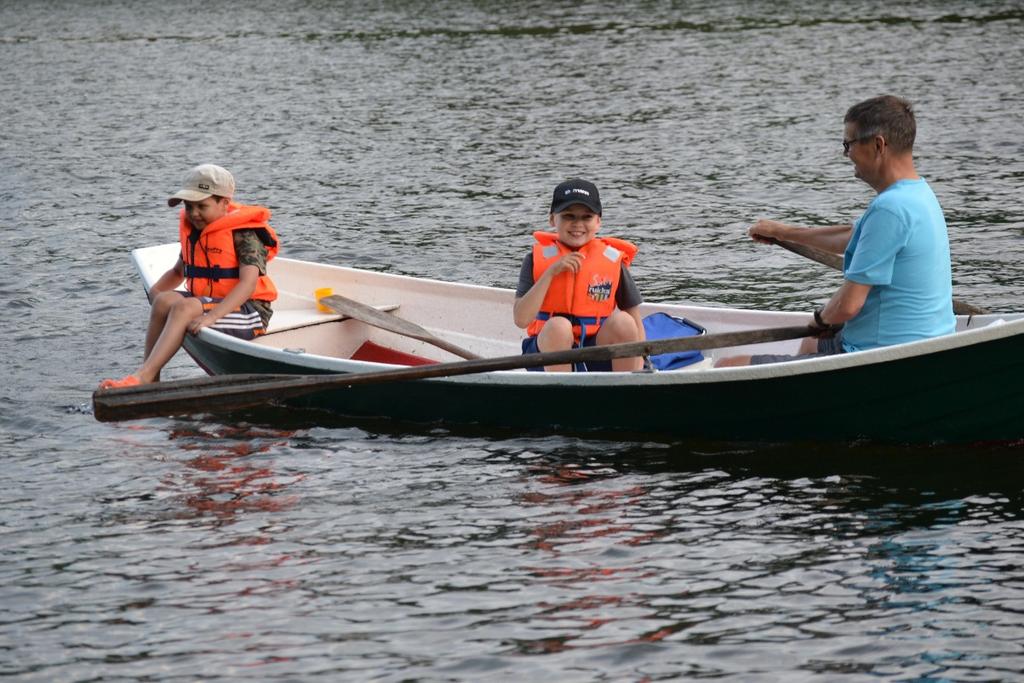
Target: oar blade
(390, 322)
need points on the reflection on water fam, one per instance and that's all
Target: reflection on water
(220, 479)
(309, 549)
(770, 559)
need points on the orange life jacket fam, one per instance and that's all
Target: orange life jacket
(211, 265)
(586, 297)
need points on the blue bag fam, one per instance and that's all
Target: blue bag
(664, 326)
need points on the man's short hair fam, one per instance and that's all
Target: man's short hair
(886, 115)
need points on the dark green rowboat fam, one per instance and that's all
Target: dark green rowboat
(964, 387)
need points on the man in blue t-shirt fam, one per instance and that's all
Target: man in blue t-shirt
(897, 284)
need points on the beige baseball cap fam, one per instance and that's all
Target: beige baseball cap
(203, 181)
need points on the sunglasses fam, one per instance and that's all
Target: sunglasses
(847, 143)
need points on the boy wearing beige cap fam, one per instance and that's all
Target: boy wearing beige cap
(223, 263)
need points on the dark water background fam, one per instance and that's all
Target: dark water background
(424, 138)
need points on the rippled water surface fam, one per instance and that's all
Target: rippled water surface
(424, 138)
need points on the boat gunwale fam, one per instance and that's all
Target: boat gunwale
(818, 365)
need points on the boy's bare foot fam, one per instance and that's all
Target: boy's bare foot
(126, 381)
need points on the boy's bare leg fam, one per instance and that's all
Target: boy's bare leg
(179, 314)
(158, 318)
(556, 335)
(620, 328)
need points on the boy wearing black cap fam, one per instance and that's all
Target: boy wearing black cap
(575, 289)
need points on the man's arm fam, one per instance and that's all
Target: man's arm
(846, 303)
(832, 238)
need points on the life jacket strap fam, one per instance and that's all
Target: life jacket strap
(577, 321)
(211, 272)
(574, 319)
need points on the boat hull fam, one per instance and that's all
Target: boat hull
(965, 394)
(963, 387)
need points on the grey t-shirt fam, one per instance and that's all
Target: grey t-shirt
(626, 296)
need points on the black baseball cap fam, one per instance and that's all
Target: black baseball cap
(576, 191)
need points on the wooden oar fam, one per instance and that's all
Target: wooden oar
(836, 262)
(231, 392)
(390, 322)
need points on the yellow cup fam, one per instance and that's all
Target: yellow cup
(320, 294)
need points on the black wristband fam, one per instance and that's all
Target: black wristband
(832, 327)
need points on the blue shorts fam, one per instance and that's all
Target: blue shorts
(826, 347)
(530, 346)
(244, 322)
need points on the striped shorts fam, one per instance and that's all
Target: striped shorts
(244, 322)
